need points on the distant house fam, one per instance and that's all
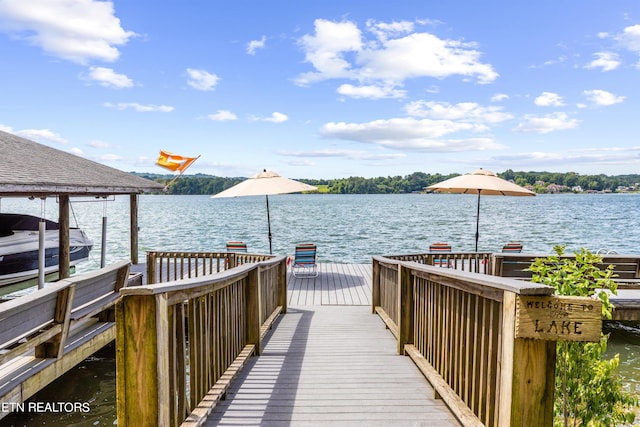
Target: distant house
(555, 188)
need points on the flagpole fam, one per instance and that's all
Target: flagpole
(478, 221)
(166, 187)
(269, 224)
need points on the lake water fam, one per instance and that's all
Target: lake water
(346, 228)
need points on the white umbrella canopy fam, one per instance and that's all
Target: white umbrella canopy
(480, 182)
(264, 184)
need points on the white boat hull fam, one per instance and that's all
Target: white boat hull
(19, 248)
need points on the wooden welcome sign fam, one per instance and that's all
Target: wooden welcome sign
(558, 318)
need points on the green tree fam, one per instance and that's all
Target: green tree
(590, 390)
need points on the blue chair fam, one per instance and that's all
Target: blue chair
(304, 260)
(236, 246)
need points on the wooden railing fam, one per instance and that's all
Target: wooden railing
(459, 328)
(475, 262)
(168, 266)
(179, 343)
(626, 268)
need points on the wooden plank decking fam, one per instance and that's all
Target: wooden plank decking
(329, 361)
(336, 284)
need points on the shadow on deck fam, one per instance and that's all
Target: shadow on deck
(329, 365)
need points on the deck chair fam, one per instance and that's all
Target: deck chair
(236, 246)
(440, 247)
(512, 247)
(304, 260)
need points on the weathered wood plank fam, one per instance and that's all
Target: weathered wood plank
(336, 284)
(328, 365)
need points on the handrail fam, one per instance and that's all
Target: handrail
(458, 327)
(475, 262)
(163, 266)
(179, 342)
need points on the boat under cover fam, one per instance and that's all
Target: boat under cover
(19, 241)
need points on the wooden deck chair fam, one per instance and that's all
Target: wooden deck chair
(236, 246)
(512, 247)
(440, 247)
(304, 260)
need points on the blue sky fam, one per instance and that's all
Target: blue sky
(328, 89)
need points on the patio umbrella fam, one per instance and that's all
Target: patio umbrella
(265, 183)
(480, 182)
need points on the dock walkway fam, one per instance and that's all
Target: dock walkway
(330, 361)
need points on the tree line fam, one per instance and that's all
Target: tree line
(413, 183)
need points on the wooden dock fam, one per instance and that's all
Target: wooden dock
(330, 365)
(336, 284)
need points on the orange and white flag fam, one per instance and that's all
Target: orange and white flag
(174, 162)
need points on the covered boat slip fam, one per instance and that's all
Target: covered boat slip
(37, 171)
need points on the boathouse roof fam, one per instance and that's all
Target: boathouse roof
(31, 169)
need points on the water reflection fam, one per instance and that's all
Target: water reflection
(90, 385)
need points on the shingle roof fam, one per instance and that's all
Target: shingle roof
(29, 168)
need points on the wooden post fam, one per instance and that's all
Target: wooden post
(252, 297)
(64, 252)
(133, 214)
(375, 285)
(405, 307)
(282, 285)
(151, 268)
(55, 346)
(527, 375)
(142, 383)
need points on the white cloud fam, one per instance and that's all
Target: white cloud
(201, 79)
(338, 50)
(39, 135)
(597, 156)
(254, 45)
(384, 30)
(602, 97)
(325, 50)
(630, 38)
(222, 116)
(549, 99)
(411, 134)
(463, 111)
(349, 154)
(98, 144)
(545, 124)
(75, 30)
(370, 91)
(276, 118)
(606, 61)
(498, 97)
(109, 78)
(110, 157)
(139, 107)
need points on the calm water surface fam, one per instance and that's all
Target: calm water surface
(346, 228)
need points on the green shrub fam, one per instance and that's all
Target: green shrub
(588, 390)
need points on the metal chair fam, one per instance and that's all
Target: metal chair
(304, 260)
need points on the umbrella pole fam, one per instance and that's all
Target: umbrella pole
(478, 222)
(269, 224)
